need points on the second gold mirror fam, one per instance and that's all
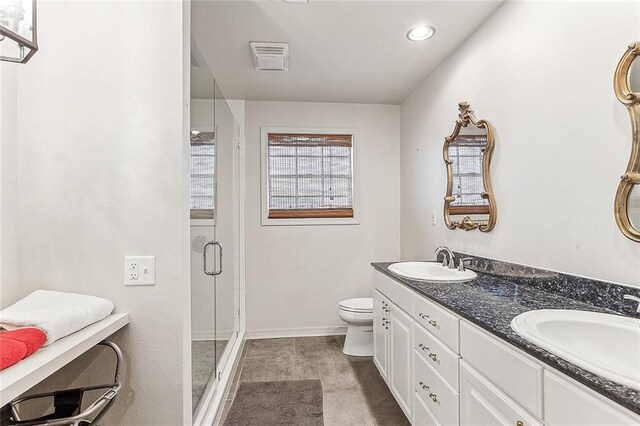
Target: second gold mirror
(626, 83)
(469, 203)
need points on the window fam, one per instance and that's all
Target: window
(203, 177)
(309, 175)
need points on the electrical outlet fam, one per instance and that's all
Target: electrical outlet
(140, 270)
(132, 270)
(434, 214)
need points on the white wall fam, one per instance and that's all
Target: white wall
(541, 73)
(100, 156)
(8, 183)
(296, 275)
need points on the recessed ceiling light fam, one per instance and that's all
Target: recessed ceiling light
(420, 33)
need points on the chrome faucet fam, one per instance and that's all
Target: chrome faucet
(452, 262)
(635, 299)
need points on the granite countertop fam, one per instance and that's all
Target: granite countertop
(491, 302)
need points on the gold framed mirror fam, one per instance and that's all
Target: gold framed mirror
(626, 84)
(469, 203)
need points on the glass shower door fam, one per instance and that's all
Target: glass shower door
(215, 232)
(226, 226)
(203, 200)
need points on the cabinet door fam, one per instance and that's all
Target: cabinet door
(381, 334)
(482, 404)
(568, 403)
(401, 348)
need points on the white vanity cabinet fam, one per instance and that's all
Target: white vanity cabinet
(444, 370)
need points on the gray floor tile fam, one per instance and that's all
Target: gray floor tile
(346, 408)
(326, 363)
(265, 368)
(302, 342)
(270, 347)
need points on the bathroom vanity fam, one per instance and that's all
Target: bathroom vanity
(449, 356)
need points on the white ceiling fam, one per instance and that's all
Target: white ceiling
(341, 51)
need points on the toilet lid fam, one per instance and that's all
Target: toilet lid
(363, 304)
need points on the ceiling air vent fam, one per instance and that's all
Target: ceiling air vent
(270, 56)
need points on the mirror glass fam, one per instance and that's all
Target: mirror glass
(634, 76)
(466, 154)
(633, 207)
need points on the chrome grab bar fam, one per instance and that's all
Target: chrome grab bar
(204, 257)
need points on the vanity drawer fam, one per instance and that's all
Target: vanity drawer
(440, 398)
(441, 358)
(400, 295)
(481, 403)
(438, 322)
(512, 372)
(381, 282)
(422, 416)
(569, 402)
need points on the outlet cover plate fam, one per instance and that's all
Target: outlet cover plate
(139, 270)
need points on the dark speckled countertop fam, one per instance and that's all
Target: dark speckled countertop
(491, 302)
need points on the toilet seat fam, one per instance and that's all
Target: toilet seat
(358, 305)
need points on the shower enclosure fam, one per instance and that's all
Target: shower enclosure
(215, 232)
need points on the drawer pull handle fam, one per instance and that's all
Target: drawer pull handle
(433, 397)
(423, 316)
(425, 387)
(423, 347)
(433, 323)
(433, 356)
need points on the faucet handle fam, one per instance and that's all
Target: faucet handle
(461, 267)
(634, 298)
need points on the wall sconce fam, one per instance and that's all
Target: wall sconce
(18, 39)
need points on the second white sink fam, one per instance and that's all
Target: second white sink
(605, 344)
(431, 271)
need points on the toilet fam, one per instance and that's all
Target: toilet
(358, 313)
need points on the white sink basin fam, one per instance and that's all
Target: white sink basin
(604, 344)
(431, 271)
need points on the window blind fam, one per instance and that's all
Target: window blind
(310, 175)
(468, 184)
(203, 177)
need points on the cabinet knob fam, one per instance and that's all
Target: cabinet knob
(433, 323)
(433, 397)
(433, 356)
(519, 423)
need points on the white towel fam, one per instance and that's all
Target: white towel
(56, 313)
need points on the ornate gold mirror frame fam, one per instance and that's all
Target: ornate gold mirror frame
(632, 175)
(465, 118)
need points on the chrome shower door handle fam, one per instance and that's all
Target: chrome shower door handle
(204, 258)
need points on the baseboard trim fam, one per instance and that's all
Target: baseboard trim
(296, 332)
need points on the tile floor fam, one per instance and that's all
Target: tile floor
(203, 365)
(353, 390)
